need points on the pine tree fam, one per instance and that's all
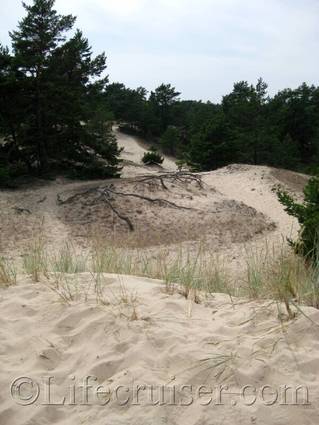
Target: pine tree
(61, 86)
(162, 100)
(209, 148)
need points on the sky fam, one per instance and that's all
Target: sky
(200, 46)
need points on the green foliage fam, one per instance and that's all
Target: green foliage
(126, 104)
(58, 115)
(162, 101)
(247, 127)
(208, 147)
(286, 153)
(308, 217)
(170, 140)
(153, 157)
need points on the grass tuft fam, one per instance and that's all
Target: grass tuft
(35, 261)
(67, 260)
(8, 273)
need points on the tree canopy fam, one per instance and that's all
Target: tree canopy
(248, 126)
(52, 113)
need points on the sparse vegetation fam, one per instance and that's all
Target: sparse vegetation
(35, 261)
(272, 273)
(67, 260)
(281, 275)
(8, 273)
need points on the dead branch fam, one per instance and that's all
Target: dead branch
(73, 198)
(120, 216)
(179, 176)
(21, 210)
(146, 198)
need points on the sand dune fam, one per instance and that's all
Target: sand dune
(133, 151)
(129, 331)
(160, 341)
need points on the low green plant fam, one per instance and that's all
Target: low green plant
(307, 214)
(67, 260)
(152, 157)
(35, 261)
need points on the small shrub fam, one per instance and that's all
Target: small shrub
(308, 216)
(153, 157)
(181, 164)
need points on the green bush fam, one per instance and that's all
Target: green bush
(308, 217)
(152, 157)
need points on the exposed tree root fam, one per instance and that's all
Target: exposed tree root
(146, 198)
(108, 193)
(179, 176)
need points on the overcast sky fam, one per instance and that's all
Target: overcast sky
(200, 46)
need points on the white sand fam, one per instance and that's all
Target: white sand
(253, 185)
(132, 154)
(171, 343)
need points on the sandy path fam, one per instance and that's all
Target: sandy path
(133, 151)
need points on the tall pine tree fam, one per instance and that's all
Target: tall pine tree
(63, 122)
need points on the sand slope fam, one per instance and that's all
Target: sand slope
(132, 154)
(168, 342)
